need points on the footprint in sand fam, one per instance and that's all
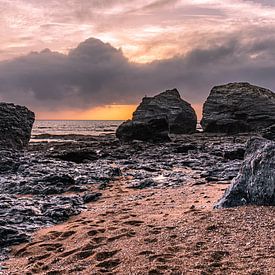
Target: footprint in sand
(150, 240)
(104, 255)
(51, 246)
(34, 261)
(128, 234)
(22, 252)
(134, 222)
(146, 253)
(94, 232)
(66, 235)
(109, 264)
(162, 258)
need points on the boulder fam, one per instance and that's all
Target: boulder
(255, 183)
(237, 108)
(181, 116)
(158, 116)
(15, 126)
(155, 130)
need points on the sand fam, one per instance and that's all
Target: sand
(154, 231)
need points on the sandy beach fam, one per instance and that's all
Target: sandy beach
(155, 231)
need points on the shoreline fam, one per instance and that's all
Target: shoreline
(156, 231)
(142, 188)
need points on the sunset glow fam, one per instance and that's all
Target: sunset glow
(113, 112)
(102, 57)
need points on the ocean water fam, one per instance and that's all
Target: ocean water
(75, 127)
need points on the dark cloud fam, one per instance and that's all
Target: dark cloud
(95, 73)
(262, 2)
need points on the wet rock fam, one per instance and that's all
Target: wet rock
(115, 172)
(158, 116)
(80, 156)
(185, 148)
(146, 183)
(238, 108)
(155, 130)
(236, 153)
(255, 183)
(269, 132)
(181, 116)
(15, 126)
(91, 197)
(21, 216)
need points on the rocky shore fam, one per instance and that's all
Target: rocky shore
(128, 183)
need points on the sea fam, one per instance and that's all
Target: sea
(73, 127)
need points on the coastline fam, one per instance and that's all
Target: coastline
(155, 215)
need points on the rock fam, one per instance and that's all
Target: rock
(155, 130)
(146, 183)
(238, 108)
(236, 153)
(269, 132)
(181, 116)
(15, 126)
(158, 116)
(19, 217)
(91, 197)
(185, 148)
(78, 156)
(255, 183)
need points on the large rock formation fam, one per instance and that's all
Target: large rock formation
(238, 107)
(15, 126)
(157, 116)
(155, 130)
(255, 183)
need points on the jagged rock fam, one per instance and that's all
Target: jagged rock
(237, 108)
(181, 116)
(155, 130)
(236, 153)
(157, 116)
(91, 197)
(15, 126)
(255, 183)
(269, 132)
(79, 156)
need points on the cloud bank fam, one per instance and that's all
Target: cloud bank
(95, 73)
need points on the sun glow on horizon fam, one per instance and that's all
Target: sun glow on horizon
(106, 112)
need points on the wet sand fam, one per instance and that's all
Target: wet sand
(154, 231)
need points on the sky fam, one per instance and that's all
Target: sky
(80, 59)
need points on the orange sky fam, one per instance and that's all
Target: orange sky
(108, 112)
(145, 31)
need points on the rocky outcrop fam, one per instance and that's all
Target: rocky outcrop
(157, 116)
(269, 132)
(15, 126)
(237, 108)
(155, 130)
(255, 183)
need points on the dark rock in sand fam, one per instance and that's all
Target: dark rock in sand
(146, 183)
(155, 130)
(91, 197)
(15, 126)
(255, 183)
(158, 116)
(19, 217)
(238, 108)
